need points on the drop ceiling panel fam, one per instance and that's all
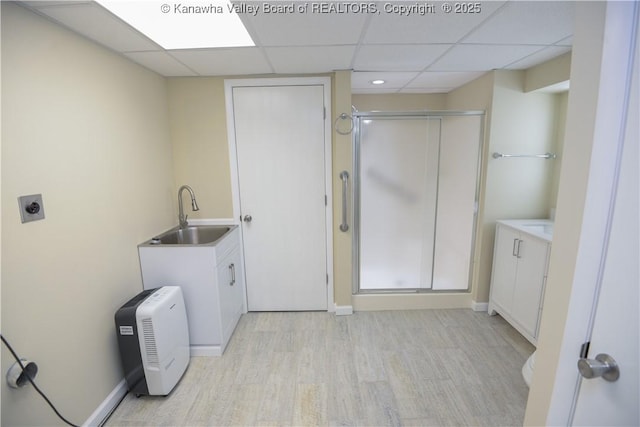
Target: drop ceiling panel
(224, 62)
(527, 22)
(373, 91)
(434, 79)
(98, 24)
(297, 29)
(362, 80)
(310, 59)
(160, 62)
(427, 90)
(397, 57)
(428, 53)
(438, 27)
(482, 57)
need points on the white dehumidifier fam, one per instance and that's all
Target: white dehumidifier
(153, 337)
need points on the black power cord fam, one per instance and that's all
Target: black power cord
(15, 356)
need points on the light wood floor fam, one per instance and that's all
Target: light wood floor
(388, 368)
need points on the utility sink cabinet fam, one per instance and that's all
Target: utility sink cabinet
(212, 282)
(519, 275)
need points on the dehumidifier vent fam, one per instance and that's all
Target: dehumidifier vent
(149, 341)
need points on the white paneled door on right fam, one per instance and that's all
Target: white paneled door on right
(616, 323)
(280, 144)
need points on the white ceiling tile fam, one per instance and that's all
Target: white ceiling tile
(310, 59)
(160, 62)
(361, 91)
(427, 90)
(539, 57)
(395, 47)
(98, 24)
(397, 57)
(481, 57)
(224, 62)
(435, 79)
(394, 80)
(304, 29)
(437, 27)
(527, 22)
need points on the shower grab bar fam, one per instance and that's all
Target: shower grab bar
(344, 176)
(539, 156)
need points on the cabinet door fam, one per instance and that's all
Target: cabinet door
(504, 267)
(230, 282)
(532, 263)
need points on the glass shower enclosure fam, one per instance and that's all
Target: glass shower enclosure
(416, 178)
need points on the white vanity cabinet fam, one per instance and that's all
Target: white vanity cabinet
(212, 282)
(519, 275)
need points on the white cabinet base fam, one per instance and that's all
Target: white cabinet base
(519, 274)
(212, 282)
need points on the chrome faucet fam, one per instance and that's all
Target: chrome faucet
(182, 218)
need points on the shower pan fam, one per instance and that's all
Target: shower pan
(416, 177)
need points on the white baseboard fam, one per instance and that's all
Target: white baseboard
(479, 306)
(205, 350)
(344, 310)
(107, 406)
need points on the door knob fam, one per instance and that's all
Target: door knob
(602, 366)
(247, 218)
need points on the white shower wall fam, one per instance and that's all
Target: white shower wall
(455, 228)
(398, 191)
(417, 192)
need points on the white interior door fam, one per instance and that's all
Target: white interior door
(616, 327)
(280, 147)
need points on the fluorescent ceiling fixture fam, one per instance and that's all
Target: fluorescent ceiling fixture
(377, 82)
(175, 25)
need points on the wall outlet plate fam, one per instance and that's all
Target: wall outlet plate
(31, 208)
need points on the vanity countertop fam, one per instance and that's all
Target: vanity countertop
(540, 228)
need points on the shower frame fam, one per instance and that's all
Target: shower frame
(357, 117)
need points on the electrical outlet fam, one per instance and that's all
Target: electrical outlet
(31, 208)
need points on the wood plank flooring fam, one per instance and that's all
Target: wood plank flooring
(387, 368)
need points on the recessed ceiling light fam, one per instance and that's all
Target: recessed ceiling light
(377, 82)
(175, 25)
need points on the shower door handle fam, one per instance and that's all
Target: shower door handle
(344, 176)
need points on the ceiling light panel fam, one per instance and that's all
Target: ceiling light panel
(175, 25)
(99, 25)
